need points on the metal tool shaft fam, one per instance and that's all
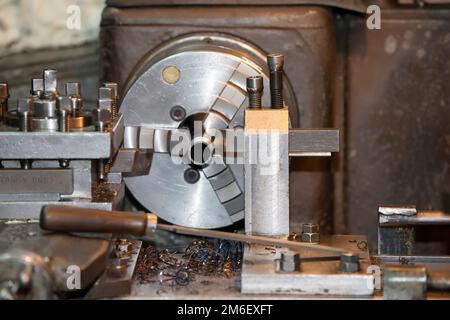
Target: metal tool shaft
(248, 238)
(73, 219)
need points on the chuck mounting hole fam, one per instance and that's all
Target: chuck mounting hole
(191, 175)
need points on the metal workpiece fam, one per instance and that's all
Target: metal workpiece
(310, 233)
(24, 112)
(204, 76)
(4, 96)
(267, 188)
(266, 172)
(313, 142)
(404, 283)
(276, 64)
(255, 86)
(349, 262)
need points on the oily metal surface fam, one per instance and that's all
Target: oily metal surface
(210, 74)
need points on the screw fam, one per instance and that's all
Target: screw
(310, 233)
(254, 88)
(276, 63)
(63, 107)
(349, 262)
(115, 98)
(73, 91)
(177, 113)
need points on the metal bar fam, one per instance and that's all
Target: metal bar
(424, 259)
(313, 141)
(248, 238)
(423, 218)
(54, 145)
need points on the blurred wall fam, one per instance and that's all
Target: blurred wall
(38, 24)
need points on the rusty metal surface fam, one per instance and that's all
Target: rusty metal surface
(397, 115)
(305, 35)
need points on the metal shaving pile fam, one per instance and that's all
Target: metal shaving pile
(219, 258)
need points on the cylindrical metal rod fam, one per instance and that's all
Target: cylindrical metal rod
(438, 281)
(64, 112)
(254, 89)
(276, 63)
(249, 238)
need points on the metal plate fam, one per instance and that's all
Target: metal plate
(212, 72)
(13, 181)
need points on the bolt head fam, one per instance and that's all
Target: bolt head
(255, 84)
(113, 86)
(275, 61)
(105, 93)
(177, 113)
(310, 228)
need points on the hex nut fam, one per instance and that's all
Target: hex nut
(310, 228)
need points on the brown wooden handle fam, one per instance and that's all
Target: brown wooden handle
(74, 219)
